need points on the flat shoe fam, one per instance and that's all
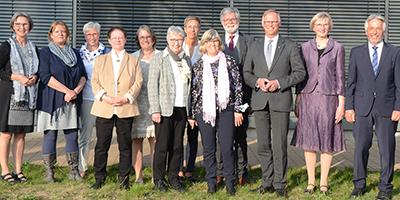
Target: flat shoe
(19, 177)
(307, 191)
(8, 178)
(326, 192)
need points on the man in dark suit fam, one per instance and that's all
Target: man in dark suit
(237, 45)
(273, 65)
(373, 98)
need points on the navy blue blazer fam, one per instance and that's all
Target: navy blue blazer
(365, 90)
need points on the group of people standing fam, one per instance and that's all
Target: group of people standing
(209, 85)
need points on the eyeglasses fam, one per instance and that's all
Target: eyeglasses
(21, 24)
(144, 38)
(173, 41)
(321, 25)
(92, 35)
(117, 38)
(270, 22)
(230, 20)
(213, 41)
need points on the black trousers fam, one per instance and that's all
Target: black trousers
(104, 129)
(241, 159)
(191, 149)
(225, 127)
(169, 134)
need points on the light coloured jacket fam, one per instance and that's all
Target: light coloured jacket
(161, 85)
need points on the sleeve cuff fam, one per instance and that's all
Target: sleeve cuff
(279, 85)
(130, 98)
(100, 94)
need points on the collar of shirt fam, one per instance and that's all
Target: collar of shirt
(196, 54)
(274, 44)
(119, 57)
(379, 50)
(228, 38)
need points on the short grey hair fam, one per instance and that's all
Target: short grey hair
(21, 14)
(91, 25)
(175, 30)
(270, 11)
(229, 10)
(375, 16)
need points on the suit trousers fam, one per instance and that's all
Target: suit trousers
(191, 149)
(225, 127)
(169, 134)
(104, 131)
(273, 158)
(241, 159)
(385, 130)
(85, 134)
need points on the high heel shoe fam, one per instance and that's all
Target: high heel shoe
(326, 192)
(307, 191)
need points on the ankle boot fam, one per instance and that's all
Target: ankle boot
(73, 159)
(49, 161)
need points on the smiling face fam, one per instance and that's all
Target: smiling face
(192, 29)
(321, 27)
(21, 26)
(145, 41)
(375, 31)
(92, 37)
(271, 24)
(212, 47)
(59, 35)
(175, 42)
(230, 23)
(117, 40)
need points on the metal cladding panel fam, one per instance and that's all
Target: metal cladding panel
(159, 15)
(394, 23)
(43, 13)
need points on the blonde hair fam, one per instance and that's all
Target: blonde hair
(209, 35)
(53, 26)
(321, 15)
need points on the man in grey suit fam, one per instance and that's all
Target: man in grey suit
(273, 65)
(373, 98)
(237, 45)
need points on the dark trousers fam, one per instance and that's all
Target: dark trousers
(169, 134)
(241, 159)
(50, 141)
(385, 130)
(273, 158)
(191, 149)
(225, 127)
(104, 130)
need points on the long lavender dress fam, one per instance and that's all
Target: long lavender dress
(316, 129)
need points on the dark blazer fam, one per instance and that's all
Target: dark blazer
(244, 42)
(328, 72)
(287, 68)
(364, 88)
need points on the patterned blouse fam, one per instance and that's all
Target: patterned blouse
(236, 93)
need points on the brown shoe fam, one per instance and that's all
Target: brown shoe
(243, 181)
(220, 181)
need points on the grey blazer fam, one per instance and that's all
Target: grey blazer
(161, 85)
(287, 67)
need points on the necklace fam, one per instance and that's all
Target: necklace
(322, 44)
(147, 56)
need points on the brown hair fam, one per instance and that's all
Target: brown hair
(53, 26)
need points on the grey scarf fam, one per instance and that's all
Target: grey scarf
(177, 58)
(20, 66)
(67, 55)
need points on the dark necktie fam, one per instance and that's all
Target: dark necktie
(375, 60)
(231, 43)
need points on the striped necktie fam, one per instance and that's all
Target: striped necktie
(268, 56)
(375, 60)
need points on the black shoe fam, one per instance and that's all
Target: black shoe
(262, 190)
(159, 186)
(308, 191)
(191, 179)
(125, 186)
(383, 195)
(356, 193)
(231, 191)
(181, 179)
(178, 187)
(325, 192)
(212, 189)
(281, 193)
(96, 185)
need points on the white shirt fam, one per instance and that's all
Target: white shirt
(274, 44)
(228, 38)
(180, 86)
(196, 53)
(116, 64)
(379, 50)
